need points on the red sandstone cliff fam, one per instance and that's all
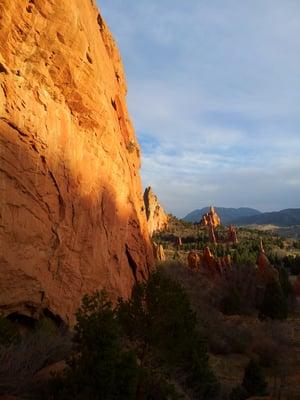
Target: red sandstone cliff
(156, 216)
(71, 211)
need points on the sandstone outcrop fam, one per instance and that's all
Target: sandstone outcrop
(193, 260)
(158, 252)
(262, 260)
(211, 233)
(211, 218)
(156, 217)
(72, 216)
(207, 262)
(267, 273)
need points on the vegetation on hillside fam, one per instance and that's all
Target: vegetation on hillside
(168, 340)
(148, 347)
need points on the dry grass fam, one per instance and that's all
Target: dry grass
(20, 362)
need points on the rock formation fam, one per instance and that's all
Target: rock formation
(72, 217)
(156, 217)
(232, 235)
(267, 273)
(158, 252)
(206, 262)
(193, 260)
(211, 218)
(211, 233)
(209, 260)
(262, 260)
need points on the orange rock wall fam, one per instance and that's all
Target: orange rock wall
(71, 212)
(156, 217)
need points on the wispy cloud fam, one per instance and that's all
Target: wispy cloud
(214, 93)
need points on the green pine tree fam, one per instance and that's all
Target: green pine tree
(159, 318)
(100, 367)
(274, 304)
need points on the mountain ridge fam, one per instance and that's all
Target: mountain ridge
(227, 214)
(285, 217)
(249, 216)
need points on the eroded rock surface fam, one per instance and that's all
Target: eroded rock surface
(158, 251)
(156, 216)
(211, 218)
(72, 217)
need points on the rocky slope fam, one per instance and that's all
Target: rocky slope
(72, 218)
(156, 217)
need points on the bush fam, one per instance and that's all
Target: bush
(8, 332)
(240, 290)
(254, 383)
(254, 380)
(21, 360)
(292, 264)
(274, 304)
(138, 348)
(238, 393)
(100, 367)
(231, 303)
(160, 320)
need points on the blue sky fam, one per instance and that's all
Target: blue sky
(214, 95)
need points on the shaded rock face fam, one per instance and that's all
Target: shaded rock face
(156, 217)
(262, 260)
(71, 212)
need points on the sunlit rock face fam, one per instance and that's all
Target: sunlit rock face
(158, 251)
(211, 218)
(156, 216)
(72, 217)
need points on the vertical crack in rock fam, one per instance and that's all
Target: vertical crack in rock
(131, 263)
(103, 216)
(55, 229)
(62, 205)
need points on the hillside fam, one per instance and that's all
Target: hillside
(287, 217)
(227, 215)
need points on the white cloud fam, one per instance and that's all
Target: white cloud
(217, 89)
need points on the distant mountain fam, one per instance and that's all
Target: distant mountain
(227, 215)
(288, 217)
